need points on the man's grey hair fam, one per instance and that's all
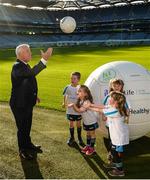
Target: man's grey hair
(18, 48)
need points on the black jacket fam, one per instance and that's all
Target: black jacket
(24, 84)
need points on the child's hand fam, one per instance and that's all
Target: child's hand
(63, 105)
(87, 105)
(126, 120)
(38, 100)
(104, 118)
(70, 105)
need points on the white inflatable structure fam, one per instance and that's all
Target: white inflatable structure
(137, 89)
(68, 24)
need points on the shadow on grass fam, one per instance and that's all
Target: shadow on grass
(106, 143)
(138, 147)
(31, 168)
(95, 162)
(137, 159)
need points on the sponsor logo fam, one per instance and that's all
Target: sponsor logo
(143, 91)
(107, 75)
(135, 75)
(129, 92)
(106, 92)
(140, 111)
(137, 92)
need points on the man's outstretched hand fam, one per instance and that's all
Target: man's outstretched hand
(47, 54)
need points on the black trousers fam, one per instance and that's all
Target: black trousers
(23, 118)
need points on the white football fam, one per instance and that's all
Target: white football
(68, 24)
(137, 89)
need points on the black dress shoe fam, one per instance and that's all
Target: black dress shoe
(36, 148)
(26, 155)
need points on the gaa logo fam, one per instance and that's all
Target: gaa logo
(107, 75)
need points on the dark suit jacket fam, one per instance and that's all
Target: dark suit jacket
(24, 84)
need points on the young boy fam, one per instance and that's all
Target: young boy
(70, 96)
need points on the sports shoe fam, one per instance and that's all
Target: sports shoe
(109, 165)
(90, 151)
(116, 172)
(70, 141)
(85, 149)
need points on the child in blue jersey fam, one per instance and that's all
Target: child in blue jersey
(114, 85)
(116, 114)
(70, 96)
(90, 118)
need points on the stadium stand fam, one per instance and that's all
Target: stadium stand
(114, 25)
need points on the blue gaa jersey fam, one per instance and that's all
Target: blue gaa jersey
(71, 97)
(119, 131)
(107, 98)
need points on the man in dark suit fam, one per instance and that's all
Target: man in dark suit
(24, 96)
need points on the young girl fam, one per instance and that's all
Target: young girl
(89, 117)
(114, 85)
(116, 114)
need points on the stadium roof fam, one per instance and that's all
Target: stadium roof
(68, 4)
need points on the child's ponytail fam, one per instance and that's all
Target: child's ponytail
(121, 101)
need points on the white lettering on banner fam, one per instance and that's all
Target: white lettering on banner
(140, 111)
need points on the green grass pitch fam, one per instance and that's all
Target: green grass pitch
(50, 129)
(56, 76)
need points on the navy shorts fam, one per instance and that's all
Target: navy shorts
(90, 127)
(72, 117)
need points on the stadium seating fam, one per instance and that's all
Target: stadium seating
(106, 26)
